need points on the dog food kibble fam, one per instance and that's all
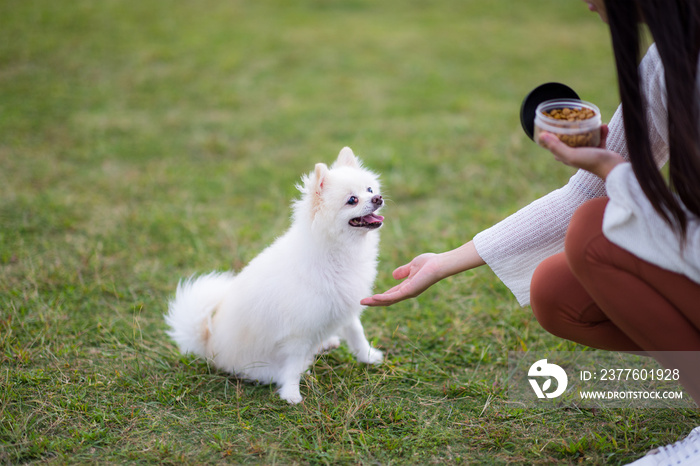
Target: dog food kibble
(570, 114)
(573, 115)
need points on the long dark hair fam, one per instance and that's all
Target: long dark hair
(675, 28)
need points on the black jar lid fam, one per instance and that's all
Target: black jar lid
(543, 92)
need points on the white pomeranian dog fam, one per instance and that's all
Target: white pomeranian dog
(300, 295)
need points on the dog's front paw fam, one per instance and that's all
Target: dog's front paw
(290, 394)
(373, 356)
(330, 344)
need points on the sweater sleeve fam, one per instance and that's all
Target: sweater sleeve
(514, 247)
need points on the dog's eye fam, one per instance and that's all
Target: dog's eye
(369, 190)
(353, 200)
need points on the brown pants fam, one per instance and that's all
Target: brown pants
(602, 296)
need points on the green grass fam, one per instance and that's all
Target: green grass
(141, 142)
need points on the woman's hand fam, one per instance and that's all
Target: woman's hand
(596, 160)
(421, 273)
(426, 270)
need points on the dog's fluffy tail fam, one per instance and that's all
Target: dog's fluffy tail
(190, 311)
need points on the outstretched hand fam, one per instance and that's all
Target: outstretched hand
(426, 270)
(418, 275)
(596, 160)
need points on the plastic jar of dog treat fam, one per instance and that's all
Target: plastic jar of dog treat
(576, 123)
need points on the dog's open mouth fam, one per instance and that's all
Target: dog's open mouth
(370, 221)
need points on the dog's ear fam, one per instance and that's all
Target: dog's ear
(320, 172)
(347, 158)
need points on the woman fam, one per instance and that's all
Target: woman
(622, 272)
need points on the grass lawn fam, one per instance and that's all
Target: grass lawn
(141, 142)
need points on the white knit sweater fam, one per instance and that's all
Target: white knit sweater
(515, 246)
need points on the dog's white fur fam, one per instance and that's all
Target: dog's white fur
(299, 295)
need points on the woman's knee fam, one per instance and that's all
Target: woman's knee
(586, 224)
(547, 296)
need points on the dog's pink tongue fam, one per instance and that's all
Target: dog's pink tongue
(373, 218)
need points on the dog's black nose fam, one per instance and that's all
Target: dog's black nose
(377, 199)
